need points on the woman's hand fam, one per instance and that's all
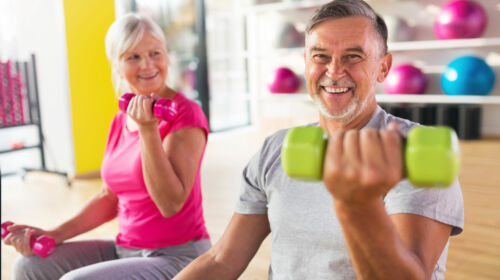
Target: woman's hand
(140, 109)
(20, 237)
(363, 165)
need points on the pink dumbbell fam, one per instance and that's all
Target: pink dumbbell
(42, 246)
(163, 108)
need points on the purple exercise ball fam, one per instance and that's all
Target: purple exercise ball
(460, 19)
(285, 81)
(405, 78)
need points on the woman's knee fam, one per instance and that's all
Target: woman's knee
(83, 273)
(72, 275)
(28, 268)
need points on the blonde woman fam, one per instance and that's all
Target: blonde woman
(151, 175)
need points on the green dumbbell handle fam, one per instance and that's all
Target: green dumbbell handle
(431, 155)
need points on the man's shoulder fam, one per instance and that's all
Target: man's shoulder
(404, 124)
(276, 139)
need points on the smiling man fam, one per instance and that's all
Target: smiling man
(364, 220)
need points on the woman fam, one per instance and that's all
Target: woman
(151, 175)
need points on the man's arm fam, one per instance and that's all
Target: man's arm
(360, 168)
(401, 246)
(229, 257)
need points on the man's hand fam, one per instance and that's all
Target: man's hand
(363, 165)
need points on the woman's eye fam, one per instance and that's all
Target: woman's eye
(132, 57)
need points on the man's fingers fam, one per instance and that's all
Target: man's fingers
(393, 126)
(334, 153)
(372, 155)
(393, 151)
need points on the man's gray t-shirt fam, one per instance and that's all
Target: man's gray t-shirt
(307, 240)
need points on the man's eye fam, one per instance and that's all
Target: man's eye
(320, 58)
(352, 57)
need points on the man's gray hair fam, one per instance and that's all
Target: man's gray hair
(349, 8)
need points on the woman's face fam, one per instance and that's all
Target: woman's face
(145, 66)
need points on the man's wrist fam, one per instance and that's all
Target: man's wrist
(354, 209)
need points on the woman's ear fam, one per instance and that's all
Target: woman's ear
(385, 67)
(116, 66)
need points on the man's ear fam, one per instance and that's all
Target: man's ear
(385, 67)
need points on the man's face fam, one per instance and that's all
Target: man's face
(344, 60)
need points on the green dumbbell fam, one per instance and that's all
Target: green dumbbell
(431, 155)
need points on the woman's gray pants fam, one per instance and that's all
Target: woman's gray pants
(102, 259)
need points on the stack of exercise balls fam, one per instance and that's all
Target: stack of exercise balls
(460, 19)
(405, 79)
(465, 75)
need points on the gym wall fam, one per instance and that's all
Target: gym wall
(93, 102)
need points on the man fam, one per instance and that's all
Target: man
(364, 220)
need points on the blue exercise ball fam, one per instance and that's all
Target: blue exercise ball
(467, 75)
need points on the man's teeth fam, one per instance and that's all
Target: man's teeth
(336, 90)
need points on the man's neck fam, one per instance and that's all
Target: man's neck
(358, 123)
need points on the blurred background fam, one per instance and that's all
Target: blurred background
(242, 61)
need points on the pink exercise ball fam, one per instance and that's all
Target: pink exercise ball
(284, 81)
(405, 78)
(460, 19)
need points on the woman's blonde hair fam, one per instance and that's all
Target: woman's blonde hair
(124, 34)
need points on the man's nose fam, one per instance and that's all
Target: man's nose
(335, 68)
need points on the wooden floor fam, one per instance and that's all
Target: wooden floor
(44, 200)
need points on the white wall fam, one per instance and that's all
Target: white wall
(37, 26)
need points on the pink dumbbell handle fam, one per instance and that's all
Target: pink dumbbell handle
(163, 108)
(42, 246)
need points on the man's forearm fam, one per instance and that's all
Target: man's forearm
(376, 250)
(207, 267)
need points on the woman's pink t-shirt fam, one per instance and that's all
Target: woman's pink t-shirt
(141, 224)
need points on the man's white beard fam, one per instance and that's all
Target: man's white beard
(352, 111)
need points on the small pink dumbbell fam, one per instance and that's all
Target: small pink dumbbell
(42, 246)
(163, 108)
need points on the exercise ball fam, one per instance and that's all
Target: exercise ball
(460, 19)
(397, 29)
(284, 81)
(467, 75)
(289, 37)
(405, 78)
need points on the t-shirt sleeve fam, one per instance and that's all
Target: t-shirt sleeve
(252, 198)
(445, 205)
(189, 115)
